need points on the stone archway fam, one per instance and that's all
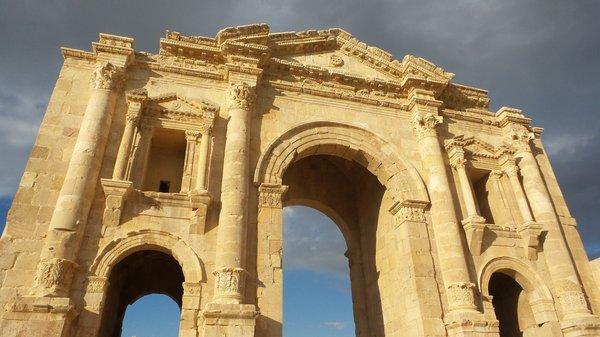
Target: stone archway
(336, 158)
(531, 296)
(130, 251)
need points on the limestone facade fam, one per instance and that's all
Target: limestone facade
(167, 173)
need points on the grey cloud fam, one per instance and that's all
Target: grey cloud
(541, 56)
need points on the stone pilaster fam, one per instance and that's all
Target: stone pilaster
(473, 224)
(234, 196)
(191, 137)
(567, 288)
(202, 171)
(420, 296)
(135, 102)
(59, 254)
(461, 298)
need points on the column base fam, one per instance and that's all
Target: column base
(38, 316)
(229, 320)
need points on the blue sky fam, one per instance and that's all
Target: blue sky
(540, 56)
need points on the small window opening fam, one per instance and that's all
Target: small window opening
(164, 186)
(164, 168)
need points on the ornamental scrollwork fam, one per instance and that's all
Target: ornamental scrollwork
(425, 125)
(106, 76)
(461, 295)
(53, 275)
(241, 96)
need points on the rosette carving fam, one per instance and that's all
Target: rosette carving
(241, 96)
(106, 76)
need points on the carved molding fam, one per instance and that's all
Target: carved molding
(97, 284)
(106, 76)
(409, 210)
(240, 96)
(425, 125)
(53, 276)
(271, 195)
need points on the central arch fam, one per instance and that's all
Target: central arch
(354, 177)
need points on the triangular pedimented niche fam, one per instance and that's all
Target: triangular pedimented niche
(173, 106)
(477, 147)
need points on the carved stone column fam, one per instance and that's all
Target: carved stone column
(473, 224)
(529, 230)
(140, 155)
(135, 101)
(460, 291)
(58, 256)
(202, 171)
(230, 273)
(567, 287)
(191, 137)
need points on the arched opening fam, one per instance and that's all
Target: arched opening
(141, 273)
(511, 306)
(152, 315)
(315, 271)
(353, 198)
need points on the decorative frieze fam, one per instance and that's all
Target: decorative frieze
(409, 210)
(106, 76)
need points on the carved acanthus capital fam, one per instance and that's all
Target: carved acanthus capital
(496, 174)
(511, 170)
(53, 276)
(133, 113)
(107, 76)
(459, 163)
(461, 295)
(229, 282)
(192, 135)
(271, 195)
(240, 96)
(519, 138)
(425, 125)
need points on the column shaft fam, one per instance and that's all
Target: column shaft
(201, 173)
(230, 273)
(465, 185)
(75, 197)
(515, 183)
(460, 291)
(131, 121)
(560, 264)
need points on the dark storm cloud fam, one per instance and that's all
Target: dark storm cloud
(540, 56)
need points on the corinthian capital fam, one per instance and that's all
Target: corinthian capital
(240, 95)
(425, 125)
(519, 138)
(106, 76)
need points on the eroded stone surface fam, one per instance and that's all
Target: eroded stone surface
(181, 162)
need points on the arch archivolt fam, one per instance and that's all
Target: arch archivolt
(119, 248)
(346, 141)
(540, 297)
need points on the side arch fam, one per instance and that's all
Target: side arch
(346, 141)
(119, 248)
(540, 297)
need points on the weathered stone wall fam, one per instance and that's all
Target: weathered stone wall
(391, 150)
